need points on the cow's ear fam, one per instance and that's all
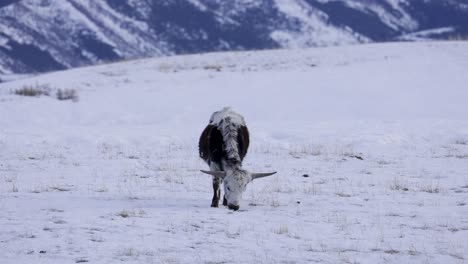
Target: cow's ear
(220, 174)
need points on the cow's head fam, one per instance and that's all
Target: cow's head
(235, 183)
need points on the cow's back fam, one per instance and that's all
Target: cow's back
(212, 145)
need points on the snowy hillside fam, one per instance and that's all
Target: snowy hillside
(370, 143)
(44, 35)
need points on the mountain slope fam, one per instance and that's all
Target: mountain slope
(370, 143)
(44, 35)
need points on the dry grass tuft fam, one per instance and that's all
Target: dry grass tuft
(34, 90)
(67, 94)
(37, 90)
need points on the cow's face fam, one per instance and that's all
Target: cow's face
(235, 184)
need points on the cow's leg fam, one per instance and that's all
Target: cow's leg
(216, 192)
(224, 200)
(214, 166)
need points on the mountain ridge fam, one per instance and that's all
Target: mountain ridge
(46, 35)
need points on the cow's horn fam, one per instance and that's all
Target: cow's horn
(221, 174)
(260, 175)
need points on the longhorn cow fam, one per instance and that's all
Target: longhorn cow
(223, 145)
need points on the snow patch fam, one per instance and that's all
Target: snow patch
(314, 29)
(198, 4)
(426, 34)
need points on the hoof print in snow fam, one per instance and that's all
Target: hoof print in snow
(305, 175)
(81, 261)
(42, 252)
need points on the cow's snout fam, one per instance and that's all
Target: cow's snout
(233, 207)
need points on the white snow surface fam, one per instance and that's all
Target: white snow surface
(380, 131)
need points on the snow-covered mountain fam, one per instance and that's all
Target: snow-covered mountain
(43, 35)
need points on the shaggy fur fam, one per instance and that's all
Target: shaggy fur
(225, 140)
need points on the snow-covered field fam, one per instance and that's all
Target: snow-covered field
(380, 130)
